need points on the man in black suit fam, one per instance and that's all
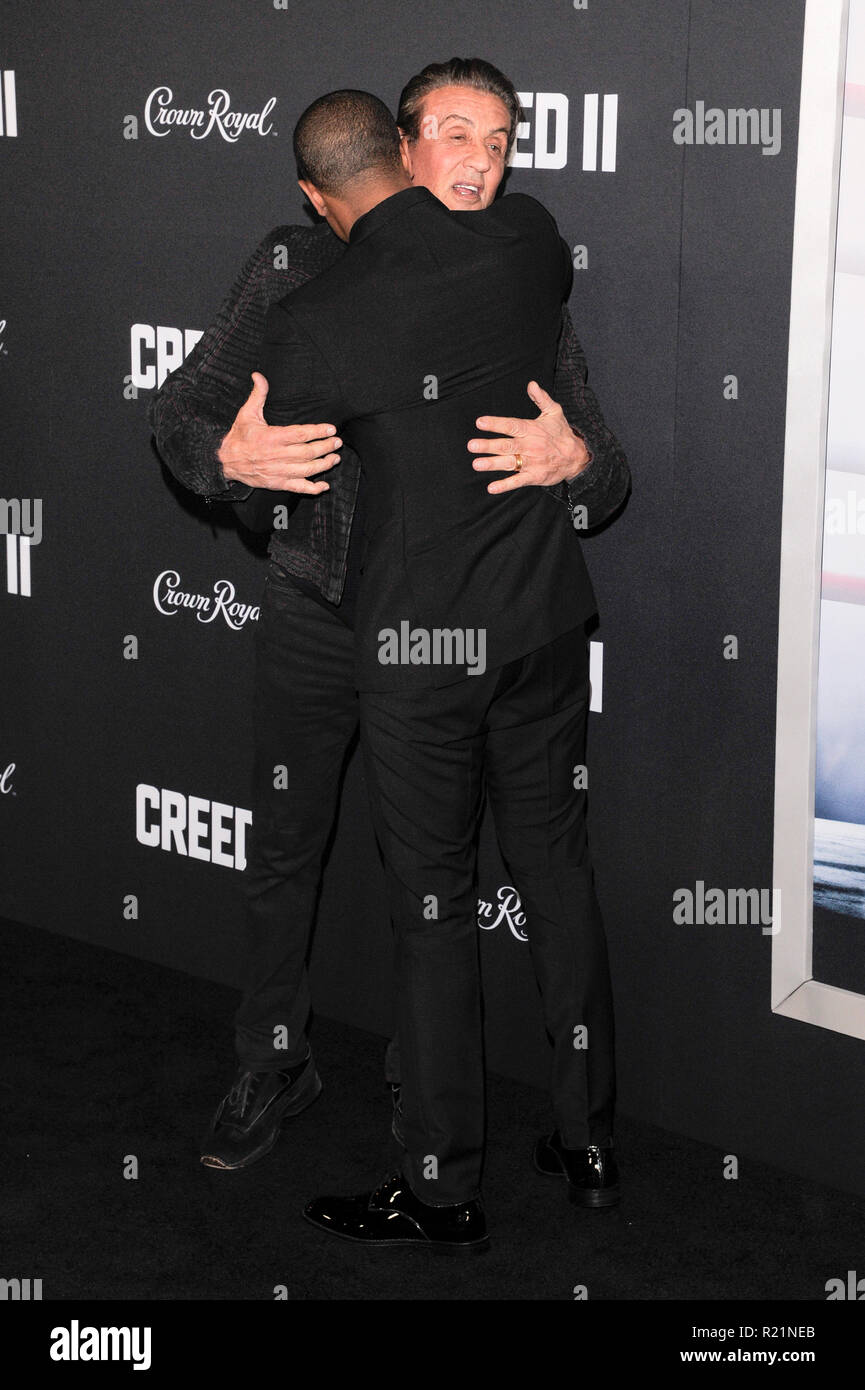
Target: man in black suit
(458, 121)
(471, 658)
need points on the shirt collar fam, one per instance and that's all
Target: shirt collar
(387, 209)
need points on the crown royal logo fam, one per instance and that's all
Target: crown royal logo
(161, 117)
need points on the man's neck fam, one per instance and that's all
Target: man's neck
(367, 197)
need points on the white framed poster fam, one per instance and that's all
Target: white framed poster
(819, 846)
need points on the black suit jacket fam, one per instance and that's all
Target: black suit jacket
(430, 319)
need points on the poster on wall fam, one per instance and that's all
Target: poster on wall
(818, 949)
(839, 795)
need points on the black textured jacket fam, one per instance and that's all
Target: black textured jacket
(194, 409)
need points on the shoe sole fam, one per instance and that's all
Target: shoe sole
(291, 1109)
(477, 1247)
(584, 1197)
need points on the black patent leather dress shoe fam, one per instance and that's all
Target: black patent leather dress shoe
(246, 1124)
(592, 1174)
(393, 1216)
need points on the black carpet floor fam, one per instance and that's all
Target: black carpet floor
(106, 1059)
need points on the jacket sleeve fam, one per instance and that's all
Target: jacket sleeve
(604, 482)
(302, 384)
(195, 407)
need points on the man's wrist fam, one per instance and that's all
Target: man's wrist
(583, 457)
(224, 458)
(234, 487)
(234, 492)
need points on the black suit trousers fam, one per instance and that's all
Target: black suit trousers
(519, 733)
(305, 720)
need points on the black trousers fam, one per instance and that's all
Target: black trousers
(518, 730)
(305, 718)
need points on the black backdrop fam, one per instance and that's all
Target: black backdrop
(107, 225)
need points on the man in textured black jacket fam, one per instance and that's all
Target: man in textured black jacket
(217, 443)
(470, 650)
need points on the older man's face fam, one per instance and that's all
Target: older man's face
(459, 154)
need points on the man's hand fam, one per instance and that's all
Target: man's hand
(550, 450)
(281, 457)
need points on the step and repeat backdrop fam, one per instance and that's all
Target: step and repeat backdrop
(145, 152)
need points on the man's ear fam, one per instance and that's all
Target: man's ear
(312, 193)
(405, 153)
